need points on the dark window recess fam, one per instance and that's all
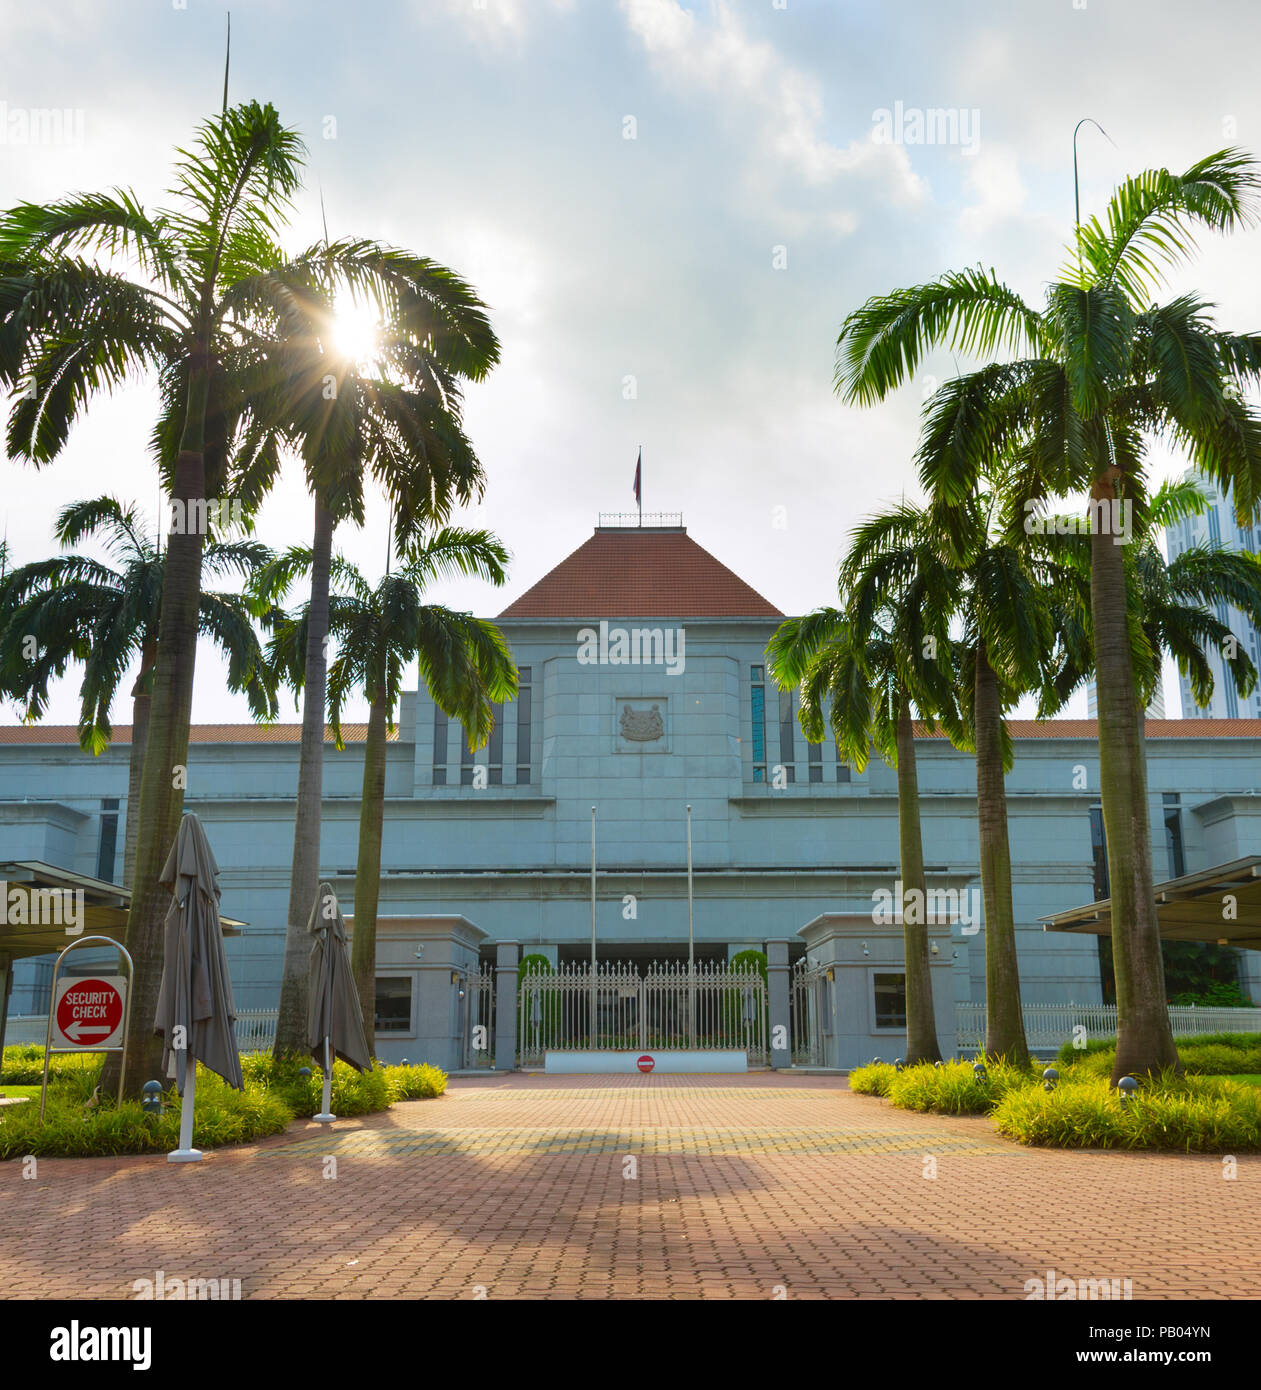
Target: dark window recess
(394, 1004)
(1173, 835)
(787, 753)
(439, 748)
(495, 748)
(759, 726)
(890, 993)
(524, 711)
(816, 762)
(107, 850)
(842, 769)
(466, 760)
(1099, 852)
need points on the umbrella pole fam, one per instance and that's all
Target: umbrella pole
(186, 1153)
(326, 1117)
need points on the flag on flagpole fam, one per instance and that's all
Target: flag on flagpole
(639, 463)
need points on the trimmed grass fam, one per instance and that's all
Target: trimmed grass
(1214, 1108)
(8, 1092)
(274, 1096)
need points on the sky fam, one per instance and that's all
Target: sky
(669, 210)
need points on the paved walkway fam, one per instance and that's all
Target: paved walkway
(636, 1187)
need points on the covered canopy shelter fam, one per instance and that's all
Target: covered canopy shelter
(39, 915)
(1221, 905)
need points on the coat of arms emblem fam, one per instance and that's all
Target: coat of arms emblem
(642, 725)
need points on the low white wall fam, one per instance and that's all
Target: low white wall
(561, 1063)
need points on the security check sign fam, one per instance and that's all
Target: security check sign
(88, 1013)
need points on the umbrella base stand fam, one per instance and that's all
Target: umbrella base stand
(326, 1116)
(186, 1153)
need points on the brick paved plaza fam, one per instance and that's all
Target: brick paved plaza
(518, 1186)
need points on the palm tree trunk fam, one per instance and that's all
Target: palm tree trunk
(135, 772)
(304, 878)
(142, 698)
(1004, 1019)
(1144, 1037)
(921, 1024)
(166, 747)
(363, 952)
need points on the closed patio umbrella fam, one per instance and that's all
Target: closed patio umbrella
(195, 996)
(334, 1018)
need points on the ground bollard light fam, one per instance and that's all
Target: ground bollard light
(1128, 1088)
(1050, 1078)
(875, 1061)
(304, 1071)
(979, 1070)
(939, 1063)
(898, 1063)
(151, 1098)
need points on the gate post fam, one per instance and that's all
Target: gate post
(507, 955)
(777, 990)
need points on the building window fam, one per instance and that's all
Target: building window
(107, 848)
(394, 1004)
(816, 761)
(890, 996)
(495, 747)
(466, 760)
(523, 725)
(1099, 852)
(842, 768)
(757, 676)
(439, 748)
(1173, 834)
(787, 753)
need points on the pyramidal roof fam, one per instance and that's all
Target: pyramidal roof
(641, 572)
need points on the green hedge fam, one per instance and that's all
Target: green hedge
(274, 1096)
(1193, 1114)
(1213, 1054)
(70, 1130)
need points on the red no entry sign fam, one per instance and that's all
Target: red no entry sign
(89, 1013)
(645, 1063)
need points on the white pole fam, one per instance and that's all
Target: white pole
(593, 967)
(326, 1116)
(691, 986)
(186, 1153)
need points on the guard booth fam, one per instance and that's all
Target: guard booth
(849, 995)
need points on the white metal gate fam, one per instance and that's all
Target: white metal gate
(478, 1022)
(714, 1007)
(809, 1016)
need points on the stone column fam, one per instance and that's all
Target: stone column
(507, 960)
(777, 990)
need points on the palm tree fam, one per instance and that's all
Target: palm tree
(71, 327)
(72, 609)
(396, 416)
(868, 669)
(464, 664)
(209, 288)
(1103, 370)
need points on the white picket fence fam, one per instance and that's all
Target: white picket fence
(256, 1029)
(1049, 1026)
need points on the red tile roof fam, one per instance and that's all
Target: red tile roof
(1155, 728)
(200, 733)
(633, 572)
(357, 733)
